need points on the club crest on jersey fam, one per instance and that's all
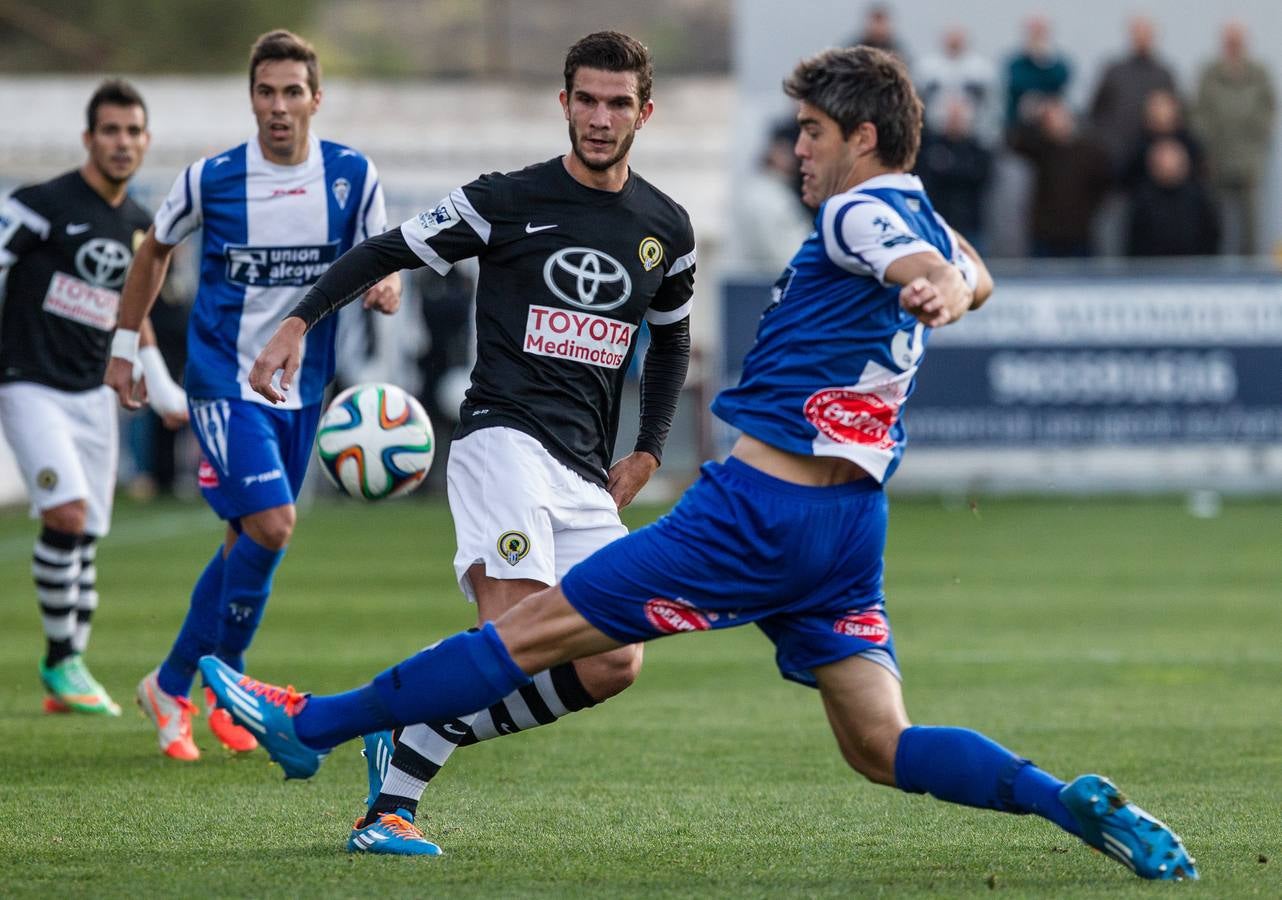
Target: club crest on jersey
(869, 625)
(650, 252)
(852, 417)
(674, 616)
(46, 479)
(587, 278)
(513, 546)
(341, 188)
(278, 266)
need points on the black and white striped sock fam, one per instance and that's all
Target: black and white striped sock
(55, 567)
(421, 750)
(87, 596)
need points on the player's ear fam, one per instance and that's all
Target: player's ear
(565, 103)
(864, 138)
(86, 138)
(316, 99)
(647, 109)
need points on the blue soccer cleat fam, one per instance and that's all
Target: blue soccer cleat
(267, 711)
(391, 833)
(1114, 826)
(378, 751)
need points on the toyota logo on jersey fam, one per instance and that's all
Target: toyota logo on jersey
(587, 278)
(103, 262)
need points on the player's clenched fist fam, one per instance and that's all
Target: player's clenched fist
(385, 296)
(936, 301)
(283, 353)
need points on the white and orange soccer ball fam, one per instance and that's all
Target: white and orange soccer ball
(375, 441)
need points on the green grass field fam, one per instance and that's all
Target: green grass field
(1119, 636)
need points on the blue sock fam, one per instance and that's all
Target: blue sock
(246, 586)
(460, 675)
(199, 633)
(962, 766)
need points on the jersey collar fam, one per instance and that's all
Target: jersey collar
(897, 181)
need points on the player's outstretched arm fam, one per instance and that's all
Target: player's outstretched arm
(142, 286)
(983, 278)
(933, 289)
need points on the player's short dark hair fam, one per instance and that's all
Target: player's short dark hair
(113, 92)
(612, 51)
(861, 84)
(284, 45)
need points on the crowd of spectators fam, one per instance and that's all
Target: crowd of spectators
(1177, 173)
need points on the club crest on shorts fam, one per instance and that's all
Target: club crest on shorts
(674, 616)
(650, 253)
(513, 546)
(341, 188)
(47, 479)
(868, 624)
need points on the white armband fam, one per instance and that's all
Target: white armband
(124, 345)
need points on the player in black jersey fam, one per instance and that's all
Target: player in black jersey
(65, 245)
(574, 254)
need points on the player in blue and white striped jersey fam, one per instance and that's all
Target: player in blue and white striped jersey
(274, 213)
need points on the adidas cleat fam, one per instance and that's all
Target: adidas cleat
(267, 711)
(229, 734)
(172, 717)
(391, 833)
(1118, 828)
(70, 684)
(378, 751)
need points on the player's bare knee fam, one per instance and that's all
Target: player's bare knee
(611, 673)
(272, 528)
(69, 518)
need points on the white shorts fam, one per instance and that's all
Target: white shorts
(67, 446)
(520, 512)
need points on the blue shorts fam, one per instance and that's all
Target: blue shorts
(254, 456)
(803, 563)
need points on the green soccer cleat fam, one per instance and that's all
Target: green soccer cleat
(70, 684)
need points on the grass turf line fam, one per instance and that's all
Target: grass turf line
(1117, 636)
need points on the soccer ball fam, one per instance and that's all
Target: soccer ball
(375, 442)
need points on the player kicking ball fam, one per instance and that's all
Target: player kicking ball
(801, 494)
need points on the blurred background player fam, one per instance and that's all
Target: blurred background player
(65, 246)
(819, 409)
(276, 211)
(575, 253)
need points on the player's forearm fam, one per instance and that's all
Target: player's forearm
(984, 279)
(355, 272)
(662, 377)
(952, 287)
(142, 285)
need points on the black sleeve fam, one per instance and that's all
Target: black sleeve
(662, 375)
(354, 273)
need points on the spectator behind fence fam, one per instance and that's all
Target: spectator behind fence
(1234, 114)
(958, 72)
(879, 31)
(955, 168)
(769, 216)
(1171, 211)
(1071, 175)
(1163, 119)
(1117, 110)
(1036, 72)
